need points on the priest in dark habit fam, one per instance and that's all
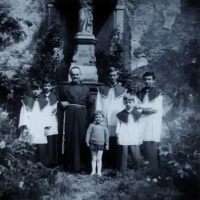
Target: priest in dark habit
(75, 100)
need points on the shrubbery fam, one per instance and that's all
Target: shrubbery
(20, 178)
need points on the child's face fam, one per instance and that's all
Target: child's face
(148, 80)
(47, 88)
(113, 76)
(36, 92)
(129, 104)
(98, 119)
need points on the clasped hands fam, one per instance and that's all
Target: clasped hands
(65, 104)
(146, 111)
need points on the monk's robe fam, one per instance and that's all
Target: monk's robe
(76, 117)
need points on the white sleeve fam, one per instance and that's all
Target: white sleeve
(157, 104)
(24, 118)
(118, 128)
(54, 106)
(98, 103)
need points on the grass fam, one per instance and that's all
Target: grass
(137, 185)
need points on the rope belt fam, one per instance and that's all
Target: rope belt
(76, 105)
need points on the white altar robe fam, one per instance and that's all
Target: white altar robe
(151, 123)
(110, 107)
(130, 133)
(36, 121)
(51, 111)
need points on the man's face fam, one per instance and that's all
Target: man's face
(112, 77)
(75, 75)
(47, 88)
(129, 104)
(149, 81)
(36, 92)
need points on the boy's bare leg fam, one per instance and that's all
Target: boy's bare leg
(94, 161)
(99, 161)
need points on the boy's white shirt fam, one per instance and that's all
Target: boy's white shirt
(52, 117)
(110, 107)
(36, 121)
(130, 133)
(151, 124)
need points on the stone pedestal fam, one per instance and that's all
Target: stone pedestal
(84, 57)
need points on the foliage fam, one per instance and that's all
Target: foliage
(114, 58)
(7, 126)
(180, 150)
(27, 180)
(20, 178)
(13, 90)
(10, 30)
(47, 58)
(192, 70)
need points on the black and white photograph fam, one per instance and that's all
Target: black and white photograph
(99, 99)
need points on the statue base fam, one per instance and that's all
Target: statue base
(84, 57)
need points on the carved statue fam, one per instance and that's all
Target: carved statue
(86, 17)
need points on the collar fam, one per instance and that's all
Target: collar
(101, 124)
(47, 94)
(112, 85)
(29, 102)
(152, 93)
(130, 110)
(123, 115)
(51, 97)
(118, 89)
(79, 83)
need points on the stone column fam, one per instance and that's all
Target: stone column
(119, 15)
(50, 7)
(84, 43)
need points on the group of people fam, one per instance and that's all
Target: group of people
(125, 125)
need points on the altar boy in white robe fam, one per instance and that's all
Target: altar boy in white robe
(52, 136)
(110, 101)
(150, 100)
(34, 122)
(129, 133)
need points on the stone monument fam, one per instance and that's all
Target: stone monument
(84, 44)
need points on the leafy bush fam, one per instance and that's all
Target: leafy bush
(10, 30)
(20, 178)
(192, 70)
(180, 150)
(47, 58)
(114, 58)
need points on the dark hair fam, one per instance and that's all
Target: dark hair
(99, 112)
(36, 84)
(149, 74)
(129, 97)
(112, 69)
(47, 80)
(75, 67)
